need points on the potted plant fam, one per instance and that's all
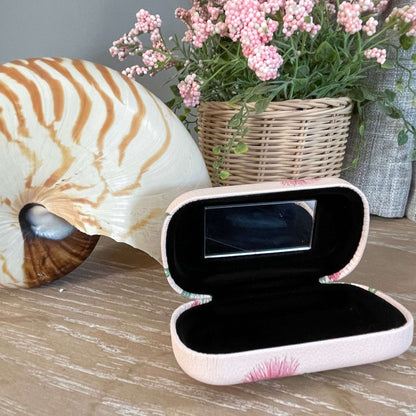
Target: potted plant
(256, 54)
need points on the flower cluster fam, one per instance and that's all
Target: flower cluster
(379, 54)
(349, 17)
(262, 36)
(405, 16)
(130, 44)
(189, 91)
(271, 50)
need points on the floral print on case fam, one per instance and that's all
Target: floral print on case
(335, 276)
(299, 182)
(274, 368)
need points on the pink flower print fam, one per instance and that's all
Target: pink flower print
(195, 303)
(273, 368)
(335, 276)
(299, 182)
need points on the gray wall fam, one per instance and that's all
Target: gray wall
(83, 29)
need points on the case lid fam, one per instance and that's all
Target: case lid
(263, 237)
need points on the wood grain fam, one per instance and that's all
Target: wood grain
(97, 343)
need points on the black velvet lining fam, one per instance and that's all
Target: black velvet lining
(330, 311)
(275, 299)
(337, 232)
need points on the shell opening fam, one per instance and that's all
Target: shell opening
(36, 221)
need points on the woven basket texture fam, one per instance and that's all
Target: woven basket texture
(294, 139)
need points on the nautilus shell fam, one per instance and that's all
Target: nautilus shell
(84, 152)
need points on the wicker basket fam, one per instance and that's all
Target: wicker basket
(294, 139)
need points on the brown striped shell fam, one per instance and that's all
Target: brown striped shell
(84, 151)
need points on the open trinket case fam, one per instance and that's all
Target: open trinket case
(260, 264)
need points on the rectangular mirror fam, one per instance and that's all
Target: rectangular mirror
(258, 228)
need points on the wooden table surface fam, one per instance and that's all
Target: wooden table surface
(97, 343)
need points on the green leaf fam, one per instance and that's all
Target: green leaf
(407, 42)
(394, 113)
(390, 95)
(224, 174)
(361, 129)
(261, 89)
(326, 52)
(170, 103)
(402, 138)
(388, 65)
(261, 105)
(244, 132)
(356, 94)
(414, 58)
(414, 103)
(368, 94)
(174, 89)
(217, 149)
(399, 85)
(235, 100)
(354, 162)
(303, 71)
(389, 110)
(240, 148)
(299, 84)
(235, 120)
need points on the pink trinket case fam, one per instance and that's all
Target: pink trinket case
(261, 264)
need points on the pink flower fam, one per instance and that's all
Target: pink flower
(202, 29)
(265, 62)
(371, 26)
(125, 46)
(349, 16)
(405, 16)
(221, 29)
(330, 6)
(247, 21)
(189, 91)
(214, 12)
(272, 6)
(381, 6)
(379, 54)
(147, 22)
(183, 15)
(121, 52)
(297, 17)
(200, 21)
(152, 58)
(274, 368)
(134, 70)
(366, 5)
